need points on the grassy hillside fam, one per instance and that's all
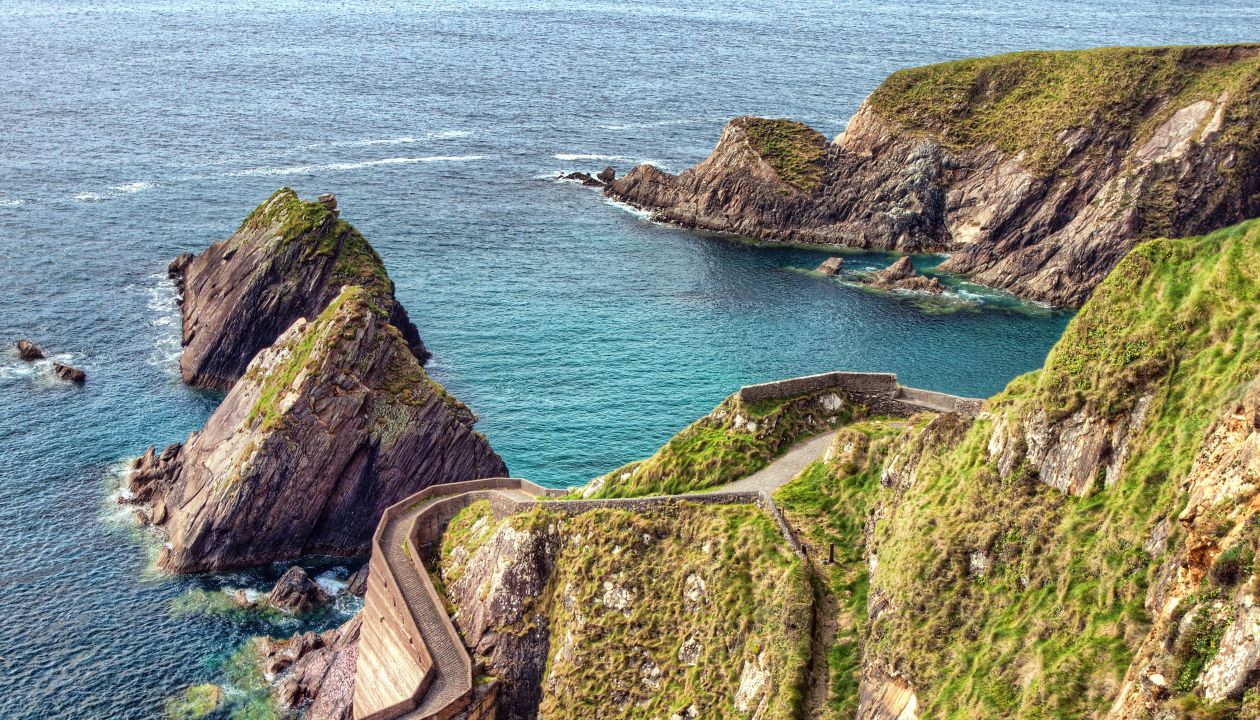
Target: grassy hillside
(732, 441)
(1010, 599)
(650, 615)
(793, 149)
(1025, 101)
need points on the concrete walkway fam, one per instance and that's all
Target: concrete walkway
(779, 472)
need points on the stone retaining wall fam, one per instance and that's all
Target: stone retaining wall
(880, 392)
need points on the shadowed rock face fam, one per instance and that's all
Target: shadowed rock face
(1037, 171)
(325, 429)
(288, 260)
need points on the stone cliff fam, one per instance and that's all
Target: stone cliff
(326, 428)
(1037, 171)
(288, 260)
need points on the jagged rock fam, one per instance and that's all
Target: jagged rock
(831, 266)
(327, 428)
(607, 175)
(176, 270)
(901, 275)
(296, 593)
(584, 178)
(288, 260)
(69, 374)
(29, 351)
(356, 584)
(1041, 212)
(315, 672)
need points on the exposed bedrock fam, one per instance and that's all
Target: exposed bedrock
(326, 428)
(1037, 171)
(288, 260)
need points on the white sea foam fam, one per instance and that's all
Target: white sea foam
(640, 125)
(129, 188)
(588, 156)
(88, 197)
(329, 581)
(11, 202)
(334, 167)
(164, 318)
(401, 140)
(637, 212)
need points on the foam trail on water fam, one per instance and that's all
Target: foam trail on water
(129, 188)
(334, 167)
(588, 156)
(11, 202)
(637, 212)
(166, 320)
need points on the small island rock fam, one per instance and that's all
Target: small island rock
(296, 593)
(29, 351)
(70, 374)
(901, 275)
(831, 266)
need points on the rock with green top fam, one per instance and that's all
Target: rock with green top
(288, 260)
(1036, 171)
(326, 428)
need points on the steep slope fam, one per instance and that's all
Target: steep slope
(326, 428)
(1037, 171)
(287, 260)
(1085, 549)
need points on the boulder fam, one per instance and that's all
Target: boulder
(356, 584)
(831, 266)
(69, 374)
(29, 351)
(901, 275)
(295, 593)
(288, 260)
(583, 178)
(607, 175)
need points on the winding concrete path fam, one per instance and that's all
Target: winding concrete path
(781, 471)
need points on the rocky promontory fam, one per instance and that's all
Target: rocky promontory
(288, 260)
(326, 428)
(1037, 171)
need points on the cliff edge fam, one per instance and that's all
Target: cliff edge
(1037, 171)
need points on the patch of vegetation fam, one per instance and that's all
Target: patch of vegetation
(828, 504)
(465, 534)
(1047, 625)
(195, 702)
(1027, 101)
(1234, 565)
(629, 591)
(793, 149)
(1196, 646)
(729, 443)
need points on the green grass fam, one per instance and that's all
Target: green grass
(755, 603)
(1025, 101)
(793, 149)
(1050, 629)
(723, 446)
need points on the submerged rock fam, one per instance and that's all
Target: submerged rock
(69, 374)
(831, 266)
(326, 428)
(29, 351)
(296, 593)
(957, 157)
(288, 260)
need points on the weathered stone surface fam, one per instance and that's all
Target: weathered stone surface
(607, 175)
(288, 260)
(901, 275)
(296, 593)
(69, 374)
(327, 428)
(314, 671)
(356, 584)
(1047, 232)
(29, 351)
(831, 266)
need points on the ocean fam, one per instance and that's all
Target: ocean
(582, 334)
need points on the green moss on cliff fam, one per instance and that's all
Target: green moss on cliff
(1009, 599)
(650, 614)
(1026, 101)
(727, 444)
(793, 149)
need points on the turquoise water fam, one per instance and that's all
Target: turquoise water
(583, 335)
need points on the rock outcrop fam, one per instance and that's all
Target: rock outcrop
(326, 428)
(901, 275)
(69, 374)
(296, 593)
(314, 673)
(288, 260)
(1037, 171)
(831, 266)
(29, 351)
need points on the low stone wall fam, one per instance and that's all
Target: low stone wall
(880, 392)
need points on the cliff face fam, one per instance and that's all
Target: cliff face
(1037, 171)
(326, 428)
(288, 260)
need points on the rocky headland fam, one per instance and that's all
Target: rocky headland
(287, 260)
(327, 426)
(1036, 171)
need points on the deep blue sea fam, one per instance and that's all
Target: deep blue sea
(582, 334)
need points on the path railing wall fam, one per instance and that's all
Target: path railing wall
(878, 391)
